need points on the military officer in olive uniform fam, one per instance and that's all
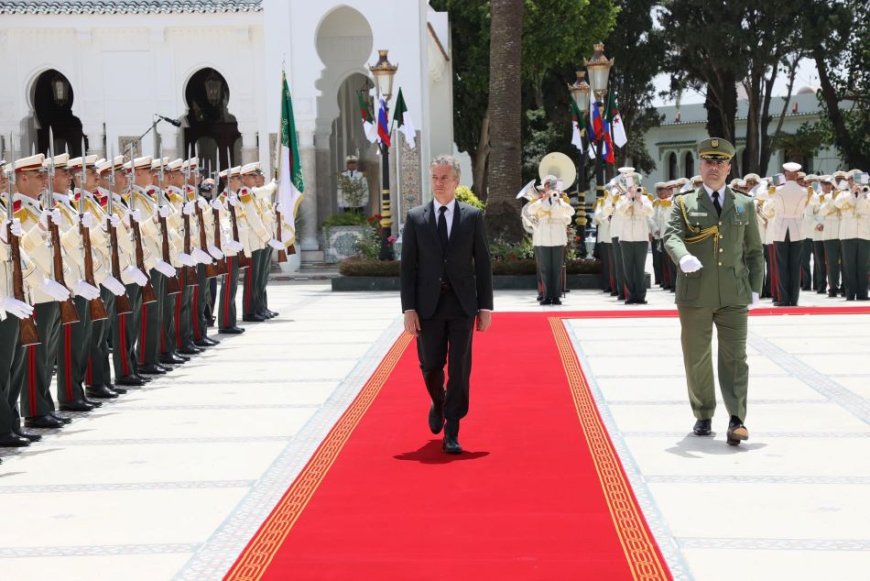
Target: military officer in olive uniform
(713, 237)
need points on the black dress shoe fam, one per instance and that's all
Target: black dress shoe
(255, 318)
(451, 438)
(190, 349)
(832, 295)
(171, 359)
(30, 436)
(641, 302)
(130, 380)
(702, 428)
(62, 419)
(231, 331)
(212, 341)
(547, 302)
(164, 367)
(272, 314)
(436, 418)
(13, 440)
(152, 369)
(556, 302)
(46, 421)
(92, 402)
(76, 405)
(100, 392)
(144, 378)
(116, 388)
(202, 343)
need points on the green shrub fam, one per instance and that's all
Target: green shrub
(345, 219)
(363, 266)
(464, 194)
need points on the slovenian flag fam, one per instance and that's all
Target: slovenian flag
(383, 125)
(595, 125)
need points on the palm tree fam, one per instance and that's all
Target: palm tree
(505, 109)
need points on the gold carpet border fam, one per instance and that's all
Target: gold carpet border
(254, 560)
(637, 543)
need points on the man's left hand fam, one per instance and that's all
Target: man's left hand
(484, 320)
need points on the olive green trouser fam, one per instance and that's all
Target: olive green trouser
(696, 337)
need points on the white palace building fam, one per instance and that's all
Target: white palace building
(208, 72)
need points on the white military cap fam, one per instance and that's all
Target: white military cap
(250, 168)
(680, 182)
(32, 163)
(840, 174)
(811, 177)
(156, 163)
(735, 183)
(191, 163)
(661, 185)
(60, 161)
(103, 165)
(791, 166)
(143, 162)
(76, 163)
(697, 179)
(234, 171)
(826, 179)
(174, 165)
(752, 177)
(351, 158)
(223, 173)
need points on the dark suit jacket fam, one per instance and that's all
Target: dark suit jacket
(466, 263)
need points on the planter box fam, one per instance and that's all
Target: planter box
(499, 282)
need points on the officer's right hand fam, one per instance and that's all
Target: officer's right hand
(689, 263)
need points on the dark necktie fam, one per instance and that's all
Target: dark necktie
(716, 203)
(442, 227)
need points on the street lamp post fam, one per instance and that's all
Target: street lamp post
(599, 72)
(580, 95)
(384, 72)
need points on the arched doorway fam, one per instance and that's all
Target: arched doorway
(672, 166)
(690, 165)
(52, 97)
(344, 41)
(210, 126)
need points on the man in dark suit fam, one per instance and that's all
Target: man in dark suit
(446, 284)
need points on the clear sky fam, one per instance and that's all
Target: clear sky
(806, 75)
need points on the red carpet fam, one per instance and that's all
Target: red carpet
(538, 493)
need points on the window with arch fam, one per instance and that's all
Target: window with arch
(673, 170)
(690, 164)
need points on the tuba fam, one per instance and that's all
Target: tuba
(559, 165)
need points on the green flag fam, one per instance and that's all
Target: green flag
(290, 182)
(403, 119)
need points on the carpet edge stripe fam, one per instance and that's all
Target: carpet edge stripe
(641, 552)
(261, 550)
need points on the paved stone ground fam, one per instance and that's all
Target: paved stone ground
(172, 480)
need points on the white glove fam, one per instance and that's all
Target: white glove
(755, 299)
(16, 308)
(188, 208)
(16, 229)
(113, 221)
(186, 259)
(275, 244)
(286, 236)
(235, 246)
(164, 268)
(87, 219)
(46, 215)
(202, 203)
(233, 200)
(689, 263)
(200, 256)
(163, 211)
(279, 208)
(53, 289)
(136, 215)
(86, 291)
(114, 286)
(215, 252)
(137, 275)
(216, 204)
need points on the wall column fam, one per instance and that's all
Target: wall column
(308, 158)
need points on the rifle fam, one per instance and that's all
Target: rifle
(211, 269)
(97, 307)
(244, 261)
(189, 271)
(148, 294)
(68, 312)
(28, 334)
(122, 302)
(172, 286)
(216, 215)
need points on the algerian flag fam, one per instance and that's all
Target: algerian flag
(615, 119)
(290, 183)
(406, 126)
(365, 112)
(577, 121)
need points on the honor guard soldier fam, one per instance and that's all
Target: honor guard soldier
(265, 193)
(635, 210)
(784, 211)
(207, 269)
(12, 311)
(713, 237)
(658, 224)
(815, 229)
(34, 379)
(551, 216)
(357, 196)
(233, 250)
(830, 215)
(260, 240)
(616, 267)
(602, 241)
